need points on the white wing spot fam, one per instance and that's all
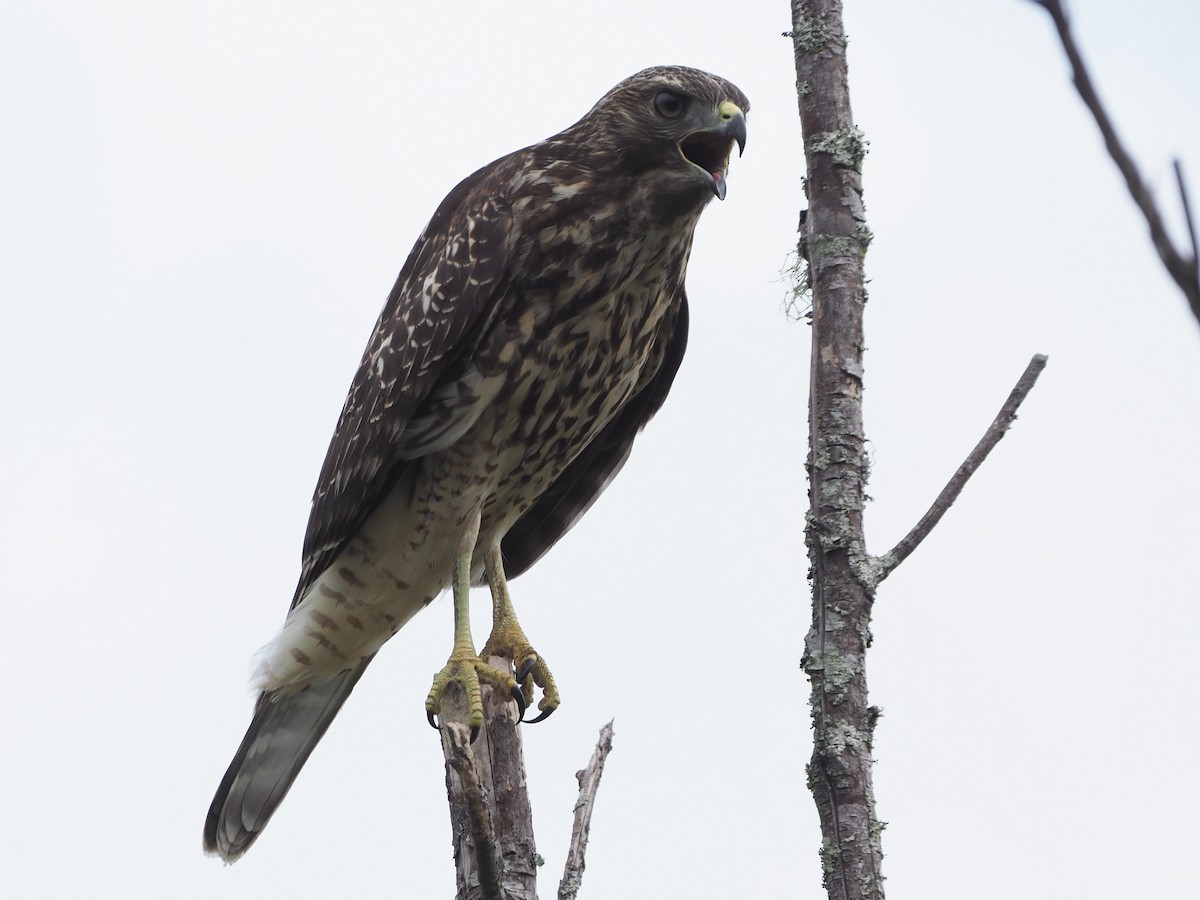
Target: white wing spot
(428, 289)
(563, 191)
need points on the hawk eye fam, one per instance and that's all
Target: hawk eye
(668, 105)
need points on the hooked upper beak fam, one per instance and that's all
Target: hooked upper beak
(709, 148)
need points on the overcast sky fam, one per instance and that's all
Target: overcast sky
(203, 207)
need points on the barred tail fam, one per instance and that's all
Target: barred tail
(283, 733)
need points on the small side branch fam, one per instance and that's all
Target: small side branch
(883, 565)
(589, 783)
(1184, 271)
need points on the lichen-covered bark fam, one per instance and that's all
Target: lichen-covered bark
(834, 241)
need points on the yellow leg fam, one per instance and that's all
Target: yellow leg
(464, 666)
(508, 639)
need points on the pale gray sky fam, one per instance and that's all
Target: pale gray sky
(204, 205)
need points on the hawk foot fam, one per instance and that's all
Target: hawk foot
(509, 641)
(469, 670)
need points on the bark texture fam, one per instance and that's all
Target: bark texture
(833, 241)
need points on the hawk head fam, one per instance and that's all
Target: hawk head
(672, 123)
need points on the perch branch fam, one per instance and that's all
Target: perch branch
(589, 783)
(1184, 271)
(883, 566)
(490, 817)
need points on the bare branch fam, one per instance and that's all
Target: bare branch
(589, 783)
(883, 566)
(1184, 271)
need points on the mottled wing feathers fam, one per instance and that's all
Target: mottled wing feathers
(576, 489)
(446, 289)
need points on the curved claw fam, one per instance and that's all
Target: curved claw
(526, 668)
(432, 717)
(474, 733)
(518, 696)
(545, 714)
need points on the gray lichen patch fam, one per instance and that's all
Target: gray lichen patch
(809, 34)
(841, 735)
(847, 146)
(837, 670)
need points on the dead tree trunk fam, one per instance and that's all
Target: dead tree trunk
(834, 239)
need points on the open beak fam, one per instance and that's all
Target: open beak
(709, 149)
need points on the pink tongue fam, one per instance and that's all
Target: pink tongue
(716, 177)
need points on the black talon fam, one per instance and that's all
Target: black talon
(545, 715)
(474, 733)
(432, 720)
(519, 696)
(526, 668)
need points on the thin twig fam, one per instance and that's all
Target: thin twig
(1184, 271)
(883, 565)
(589, 783)
(478, 815)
